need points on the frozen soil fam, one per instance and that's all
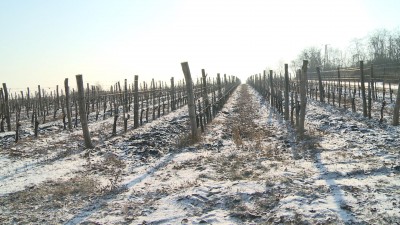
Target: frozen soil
(248, 167)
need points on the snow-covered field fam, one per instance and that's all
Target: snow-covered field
(248, 167)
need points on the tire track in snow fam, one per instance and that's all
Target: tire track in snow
(336, 192)
(97, 205)
(354, 127)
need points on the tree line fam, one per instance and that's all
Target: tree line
(379, 47)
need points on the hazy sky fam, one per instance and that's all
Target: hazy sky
(44, 41)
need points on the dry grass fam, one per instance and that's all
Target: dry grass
(54, 191)
(112, 167)
(252, 144)
(237, 139)
(186, 139)
(37, 204)
(135, 207)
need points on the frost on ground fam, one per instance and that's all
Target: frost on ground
(247, 167)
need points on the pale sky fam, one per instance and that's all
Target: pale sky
(45, 41)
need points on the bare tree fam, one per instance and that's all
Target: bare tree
(396, 43)
(357, 51)
(312, 54)
(294, 66)
(377, 42)
(337, 58)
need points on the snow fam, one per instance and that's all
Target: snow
(347, 170)
(29, 176)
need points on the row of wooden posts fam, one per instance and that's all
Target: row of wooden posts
(205, 111)
(292, 103)
(161, 99)
(345, 89)
(156, 100)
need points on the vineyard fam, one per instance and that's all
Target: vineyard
(320, 147)
(30, 115)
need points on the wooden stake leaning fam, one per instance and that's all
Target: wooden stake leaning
(82, 111)
(191, 103)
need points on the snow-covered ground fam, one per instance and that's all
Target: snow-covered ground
(247, 168)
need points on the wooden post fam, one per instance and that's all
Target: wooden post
(136, 103)
(17, 123)
(125, 105)
(369, 99)
(191, 102)
(44, 106)
(165, 96)
(339, 87)
(364, 98)
(147, 102)
(159, 93)
(286, 92)
(82, 111)
(271, 87)
(7, 107)
(205, 95)
(36, 119)
(93, 97)
(116, 102)
(88, 100)
(396, 107)
(292, 106)
(328, 85)
(321, 87)
(111, 99)
(28, 102)
(97, 100)
(333, 93)
(67, 104)
(373, 82)
(40, 101)
(153, 93)
(303, 97)
(264, 84)
(173, 97)
(225, 81)
(104, 106)
(200, 116)
(353, 100)
(64, 114)
(2, 106)
(344, 95)
(219, 88)
(383, 84)
(57, 105)
(212, 99)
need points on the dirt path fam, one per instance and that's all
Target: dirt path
(221, 179)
